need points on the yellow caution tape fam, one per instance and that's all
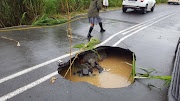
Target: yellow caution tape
(18, 43)
(41, 26)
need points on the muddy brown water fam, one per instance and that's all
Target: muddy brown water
(116, 77)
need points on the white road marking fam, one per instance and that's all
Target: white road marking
(128, 29)
(41, 80)
(22, 89)
(140, 30)
(33, 68)
(66, 55)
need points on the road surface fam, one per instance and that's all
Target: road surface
(25, 71)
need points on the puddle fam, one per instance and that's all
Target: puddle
(115, 72)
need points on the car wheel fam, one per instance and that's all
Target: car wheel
(144, 10)
(168, 2)
(152, 9)
(124, 9)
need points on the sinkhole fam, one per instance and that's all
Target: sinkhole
(107, 69)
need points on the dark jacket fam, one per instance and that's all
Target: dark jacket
(94, 8)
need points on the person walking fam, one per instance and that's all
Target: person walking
(93, 16)
(105, 4)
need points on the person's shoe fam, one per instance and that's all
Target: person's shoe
(89, 36)
(102, 30)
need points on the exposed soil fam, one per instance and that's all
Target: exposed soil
(116, 72)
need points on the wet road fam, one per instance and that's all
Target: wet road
(25, 71)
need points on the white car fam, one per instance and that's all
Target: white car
(174, 2)
(144, 5)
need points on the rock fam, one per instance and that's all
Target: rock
(86, 65)
(85, 72)
(90, 70)
(60, 65)
(79, 72)
(99, 68)
(90, 55)
(92, 62)
(80, 75)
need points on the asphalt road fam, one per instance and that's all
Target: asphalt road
(25, 71)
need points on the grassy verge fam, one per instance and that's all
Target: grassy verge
(62, 18)
(45, 20)
(33, 12)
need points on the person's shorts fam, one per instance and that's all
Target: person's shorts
(95, 20)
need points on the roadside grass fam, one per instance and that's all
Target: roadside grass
(53, 19)
(19, 12)
(23, 18)
(44, 20)
(27, 12)
(146, 75)
(59, 18)
(161, 1)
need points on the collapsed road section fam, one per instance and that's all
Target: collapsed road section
(107, 67)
